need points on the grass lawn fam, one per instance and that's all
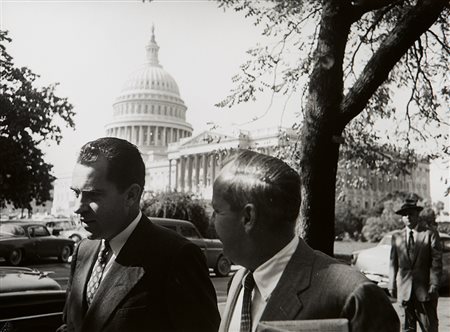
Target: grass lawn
(343, 249)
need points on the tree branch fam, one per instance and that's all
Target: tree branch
(415, 22)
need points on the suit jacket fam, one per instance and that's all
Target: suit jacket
(316, 286)
(417, 273)
(158, 282)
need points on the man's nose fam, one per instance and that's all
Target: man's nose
(80, 204)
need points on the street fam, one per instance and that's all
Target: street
(60, 272)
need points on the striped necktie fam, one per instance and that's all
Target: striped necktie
(97, 271)
(246, 315)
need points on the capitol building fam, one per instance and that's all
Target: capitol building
(150, 113)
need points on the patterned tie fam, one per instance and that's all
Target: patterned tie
(246, 315)
(411, 244)
(97, 271)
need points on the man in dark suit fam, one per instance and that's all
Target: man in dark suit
(256, 201)
(415, 269)
(130, 275)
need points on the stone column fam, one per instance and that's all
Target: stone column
(156, 135)
(141, 135)
(205, 169)
(133, 135)
(189, 171)
(197, 172)
(213, 167)
(182, 172)
(177, 173)
(170, 174)
(149, 135)
(164, 141)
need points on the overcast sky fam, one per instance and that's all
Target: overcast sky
(91, 47)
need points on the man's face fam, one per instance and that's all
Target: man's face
(102, 208)
(229, 226)
(411, 219)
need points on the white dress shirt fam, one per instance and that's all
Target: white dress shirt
(117, 242)
(266, 279)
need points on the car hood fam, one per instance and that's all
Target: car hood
(14, 279)
(374, 260)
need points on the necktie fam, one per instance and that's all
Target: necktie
(246, 315)
(411, 244)
(97, 271)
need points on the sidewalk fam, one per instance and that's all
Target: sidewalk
(443, 313)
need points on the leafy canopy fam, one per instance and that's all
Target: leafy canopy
(407, 112)
(29, 117)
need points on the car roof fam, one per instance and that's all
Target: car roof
(24, 223)
(169, 221)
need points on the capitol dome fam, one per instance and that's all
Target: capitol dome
(149, 111)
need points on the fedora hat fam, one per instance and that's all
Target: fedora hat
(409, 205)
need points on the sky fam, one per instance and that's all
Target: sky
(91, 48)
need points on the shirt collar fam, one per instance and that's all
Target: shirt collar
(118, 241)
(269, 273)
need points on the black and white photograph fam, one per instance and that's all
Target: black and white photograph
(224, 165)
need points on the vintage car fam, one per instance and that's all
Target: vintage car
(212, 248)
(374, 262)
(59, 225)
(76, 234)
(20, 241)
(29, 300)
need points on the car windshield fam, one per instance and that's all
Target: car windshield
(8, 229)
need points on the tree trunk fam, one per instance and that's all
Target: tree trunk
(320, 133)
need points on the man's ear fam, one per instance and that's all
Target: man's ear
(249, 217)
(133, 194)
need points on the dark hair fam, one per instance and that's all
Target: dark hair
(125, 164)
(267, 182)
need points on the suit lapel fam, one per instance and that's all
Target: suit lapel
(116, 285)
(125, 273)
(285, 302)
(418, 245)
(85, 259)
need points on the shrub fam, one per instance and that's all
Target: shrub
(376, 227)
(177, 205)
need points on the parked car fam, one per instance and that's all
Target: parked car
(76, 234)
(19, 241)
(18, 279)
(29, 300)
(212, 248)
(374, 262)
(60, 225)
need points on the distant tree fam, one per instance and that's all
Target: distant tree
(376, 227)
(353, 56)
(396, 198)
(349, 219)
(29, 117)
(177, 205)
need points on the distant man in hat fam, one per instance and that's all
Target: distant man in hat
(415, 269)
